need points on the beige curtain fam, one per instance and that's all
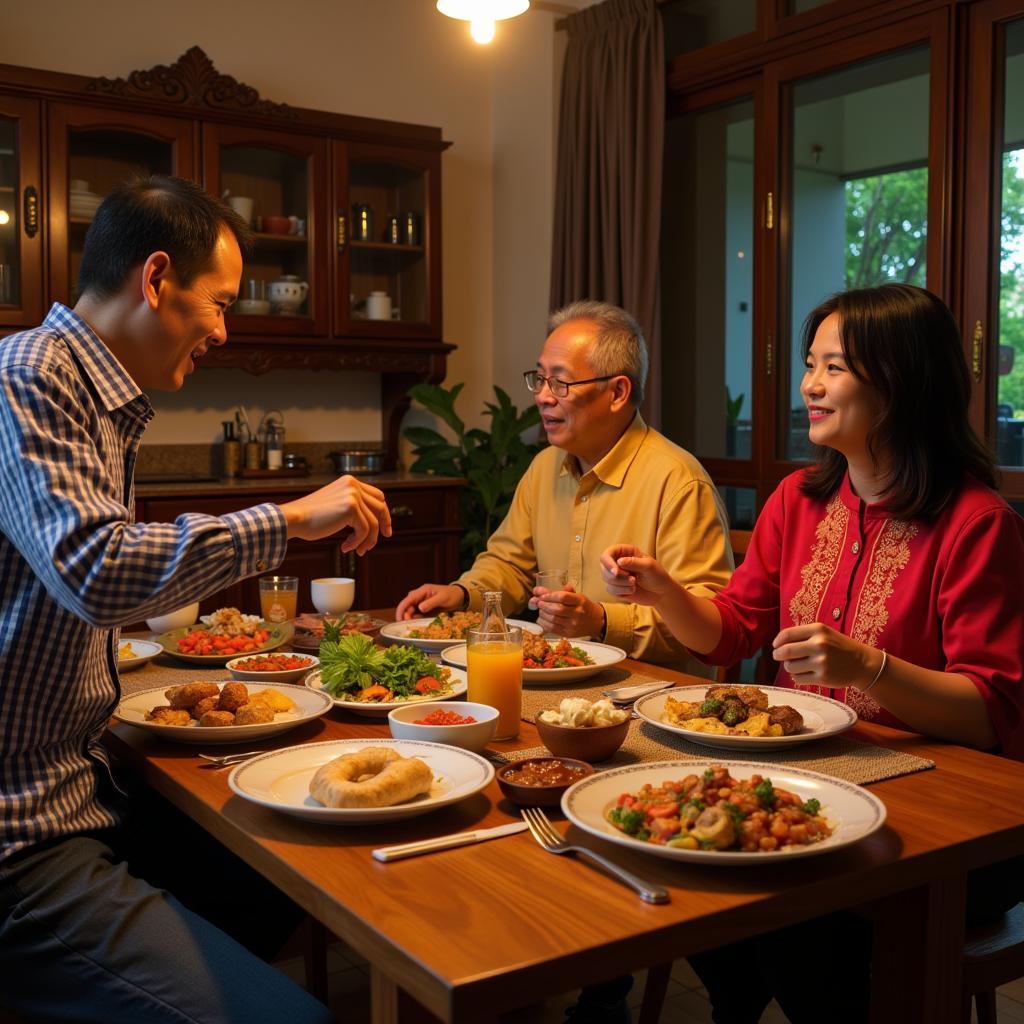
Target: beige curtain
(608, 179)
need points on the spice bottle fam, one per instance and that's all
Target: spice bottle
(231, 451)
(275, 445)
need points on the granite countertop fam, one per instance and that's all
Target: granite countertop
(166, 485)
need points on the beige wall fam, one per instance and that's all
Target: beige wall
(394, 59)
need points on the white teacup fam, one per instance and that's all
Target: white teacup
(243, 206)
(333, 595)
(178, 619)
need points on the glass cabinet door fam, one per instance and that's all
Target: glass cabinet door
(91, 151)
(388, 241)
(21, 270)
(277, 181)
(994, 228)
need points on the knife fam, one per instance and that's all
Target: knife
(388, 853)
(628, 694)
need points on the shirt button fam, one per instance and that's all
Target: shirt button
(578, 538)
(836, 612)
(856, 546)
(585, 498)
(261, 566)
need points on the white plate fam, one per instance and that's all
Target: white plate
(398, 633)
(852, 811)
(280, 779)
(144, 650)
(309, 704)
(604, 655)
(458, 681)
(823, 717)
(285, 675)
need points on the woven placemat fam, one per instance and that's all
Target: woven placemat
(837, 756)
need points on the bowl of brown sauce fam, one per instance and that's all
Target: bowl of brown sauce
(541, 781)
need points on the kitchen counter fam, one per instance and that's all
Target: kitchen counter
(168, 486)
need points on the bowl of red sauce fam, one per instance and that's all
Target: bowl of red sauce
(541, 781)
(459, 723)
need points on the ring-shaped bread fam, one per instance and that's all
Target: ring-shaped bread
(371, 777)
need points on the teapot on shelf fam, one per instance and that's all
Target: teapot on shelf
(287, 293)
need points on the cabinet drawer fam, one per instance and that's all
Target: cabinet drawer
(421, 510)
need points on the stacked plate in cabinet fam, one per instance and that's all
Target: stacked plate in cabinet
(83, 204)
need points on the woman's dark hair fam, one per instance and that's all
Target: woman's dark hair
(153, 214)
(904, 342)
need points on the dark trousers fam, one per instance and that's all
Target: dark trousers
(89, 933)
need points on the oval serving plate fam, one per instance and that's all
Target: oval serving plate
(398, 633)
(280, 633)
(458, 679)
(822, 716)
(604, 655)
(309, 704)
(853, 812)
(280, 779)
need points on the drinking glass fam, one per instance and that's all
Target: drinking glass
(553, 579)
(279, 597)
(494, 669)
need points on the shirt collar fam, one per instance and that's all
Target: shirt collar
(114, 387)
(612, 469)
(850, 498)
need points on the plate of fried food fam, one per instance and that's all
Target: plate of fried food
(224, 635)
(351, 782)
(443, 630)
(548, 662)
(309, 627)
(204, 712)
(723, 813)
(132, 654)
(752, 717)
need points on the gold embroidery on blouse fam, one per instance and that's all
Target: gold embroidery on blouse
(889, 557)
(828, 544)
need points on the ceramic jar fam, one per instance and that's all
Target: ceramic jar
(287, 293)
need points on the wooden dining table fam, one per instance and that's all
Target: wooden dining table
(473, 931)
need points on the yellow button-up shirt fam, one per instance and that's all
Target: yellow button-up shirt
(646, 491)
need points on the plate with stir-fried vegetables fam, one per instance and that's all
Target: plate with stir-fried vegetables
(723, 812)
(371, 680)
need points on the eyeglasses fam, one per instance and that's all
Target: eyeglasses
(559, 388)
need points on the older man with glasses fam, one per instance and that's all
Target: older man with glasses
(607, 475)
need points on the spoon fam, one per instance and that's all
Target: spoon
(628, 694)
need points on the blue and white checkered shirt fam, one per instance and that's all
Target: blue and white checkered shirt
(74, 566)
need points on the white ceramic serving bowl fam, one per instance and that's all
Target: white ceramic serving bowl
(178, 619)
(252, 307)
(333, 595)
(287, 675)
(472, 736)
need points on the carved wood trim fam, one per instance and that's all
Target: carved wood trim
(193, 81)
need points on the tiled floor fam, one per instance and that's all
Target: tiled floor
(685, 1003)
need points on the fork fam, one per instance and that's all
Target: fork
(224, 760)
(545, 834)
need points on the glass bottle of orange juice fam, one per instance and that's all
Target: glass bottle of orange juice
(494, 666)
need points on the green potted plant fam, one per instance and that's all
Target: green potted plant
(491, 461)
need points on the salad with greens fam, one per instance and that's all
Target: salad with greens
(353, 667)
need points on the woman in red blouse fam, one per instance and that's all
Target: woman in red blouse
(888, 575)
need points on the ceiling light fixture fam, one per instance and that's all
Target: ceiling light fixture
(482, 14)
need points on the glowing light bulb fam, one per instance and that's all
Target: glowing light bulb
(5, 217)
(482, 30)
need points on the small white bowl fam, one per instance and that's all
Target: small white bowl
(252, 307)
(333, 595)
(288, 675)
(175, 620)
(472, 736)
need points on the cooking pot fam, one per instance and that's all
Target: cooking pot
(366, 460)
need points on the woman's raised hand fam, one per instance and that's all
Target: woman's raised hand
(628, 572)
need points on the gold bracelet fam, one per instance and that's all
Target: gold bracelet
(878, 674)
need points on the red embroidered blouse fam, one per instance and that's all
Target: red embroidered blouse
(944, 595)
